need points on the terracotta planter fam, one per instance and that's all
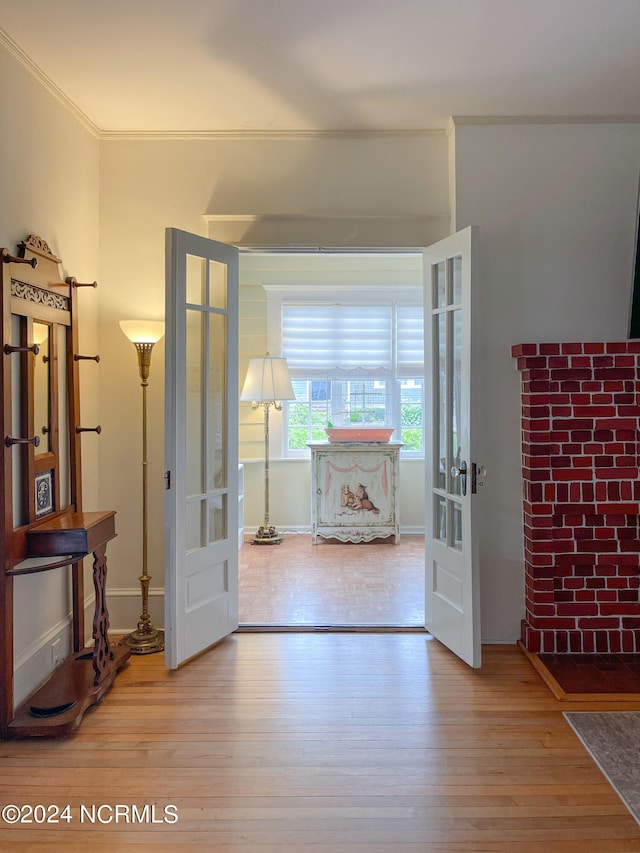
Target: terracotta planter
(344, 435)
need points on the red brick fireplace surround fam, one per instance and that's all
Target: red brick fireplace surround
(580, 469)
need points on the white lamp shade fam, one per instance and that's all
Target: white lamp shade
(143, 331)
(267, 379)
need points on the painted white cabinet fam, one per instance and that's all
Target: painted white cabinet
(355, 491)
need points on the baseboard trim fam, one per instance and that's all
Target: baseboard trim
(301, 530)
(250, 628)
(125, 605)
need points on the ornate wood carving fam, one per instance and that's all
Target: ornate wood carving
(36, 244)
(30, 293)
(102, 653)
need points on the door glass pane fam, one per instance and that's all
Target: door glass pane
(440, 521)
(440, 403)
(456, 525)
(217, 285)
(456, 390)
(194, 413)
(217, 426)
(218, 518)
(195, 280)
(456, 275)
(439, 285)
(193, 526)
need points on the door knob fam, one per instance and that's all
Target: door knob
(460, 471)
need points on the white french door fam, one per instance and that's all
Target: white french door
(452, 596)
(201, 444)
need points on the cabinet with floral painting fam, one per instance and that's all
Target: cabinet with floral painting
(355, 491)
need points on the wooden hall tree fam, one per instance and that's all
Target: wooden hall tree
(44, 527)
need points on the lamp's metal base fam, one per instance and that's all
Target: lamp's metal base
(144, 644)
(266, 536)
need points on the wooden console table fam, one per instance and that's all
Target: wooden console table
(58, 706)
(354, 491)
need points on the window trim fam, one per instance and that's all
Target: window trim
(350, 294)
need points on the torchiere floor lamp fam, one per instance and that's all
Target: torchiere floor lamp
(144, 334)
(267, 384)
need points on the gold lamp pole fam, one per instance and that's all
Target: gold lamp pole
(267, 383)
(144, 334)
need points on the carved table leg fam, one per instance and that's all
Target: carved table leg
(102, 653)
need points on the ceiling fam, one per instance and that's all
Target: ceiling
(328, 65)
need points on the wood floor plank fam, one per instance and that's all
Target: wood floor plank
(318, 742)
(298, 583)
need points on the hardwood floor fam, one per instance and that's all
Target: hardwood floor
(323, 743)
(333, 583)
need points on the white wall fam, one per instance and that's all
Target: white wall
(149, 185)
(290, 495)
(49, 186)
(556, 207)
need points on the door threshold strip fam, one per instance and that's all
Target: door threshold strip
(247, 628)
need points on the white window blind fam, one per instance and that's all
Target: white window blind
(317, 339)
(410, 341)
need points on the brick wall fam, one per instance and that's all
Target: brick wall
(580, 468)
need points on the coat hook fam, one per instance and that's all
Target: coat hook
(11, 259)
(35, 349)
(9, 441)
(74, 283)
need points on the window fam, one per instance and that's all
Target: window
(356, 359)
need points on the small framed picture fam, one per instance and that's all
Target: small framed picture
(44, 493)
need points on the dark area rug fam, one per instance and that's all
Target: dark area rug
(612, 739)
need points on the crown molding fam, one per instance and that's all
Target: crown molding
(251, 135)
(48, 83)
(332, 217)
(542, 119)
